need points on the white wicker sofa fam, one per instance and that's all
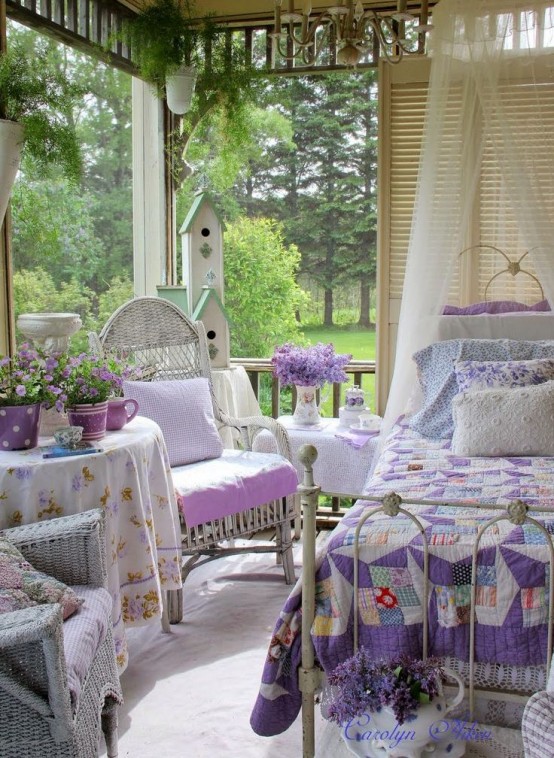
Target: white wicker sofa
(59, 684)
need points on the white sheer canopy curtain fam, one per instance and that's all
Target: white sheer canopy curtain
(488, 57)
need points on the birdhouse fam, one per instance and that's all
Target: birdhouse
(202, 251)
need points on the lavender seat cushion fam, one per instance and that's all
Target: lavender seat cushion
(183, 410)
(236, 481)
(83, 633)
(495, 307)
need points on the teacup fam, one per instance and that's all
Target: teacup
(68, 436)
(369, 421)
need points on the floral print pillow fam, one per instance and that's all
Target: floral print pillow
(22, 586)
(482, 375)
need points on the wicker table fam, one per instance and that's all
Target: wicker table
(130, 481)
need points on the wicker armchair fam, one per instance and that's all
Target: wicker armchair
(159, 337)
(38, 716)
(537, 724)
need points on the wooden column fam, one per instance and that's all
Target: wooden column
(7, 323)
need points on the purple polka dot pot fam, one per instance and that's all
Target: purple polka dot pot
(19, 426)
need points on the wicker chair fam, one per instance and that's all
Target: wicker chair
(38, 718)
(168, 345)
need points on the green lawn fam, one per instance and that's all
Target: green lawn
(359, 342)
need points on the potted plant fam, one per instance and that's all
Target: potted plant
(170, 46)
(35, 100)
(308, 368)
(372, 699)
(86, 383)
(25, 385)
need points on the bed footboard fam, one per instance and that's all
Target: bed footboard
(310, 675)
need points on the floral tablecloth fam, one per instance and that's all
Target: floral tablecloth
(131, 481)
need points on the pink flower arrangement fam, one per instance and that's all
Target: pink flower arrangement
(309, 366)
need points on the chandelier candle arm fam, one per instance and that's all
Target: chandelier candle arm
(295, 35)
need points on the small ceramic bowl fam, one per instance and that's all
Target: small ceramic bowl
(68, 436)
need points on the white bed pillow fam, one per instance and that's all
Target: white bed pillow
(501, 422)
(182, 408)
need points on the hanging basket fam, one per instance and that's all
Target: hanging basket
(11, 137)
(179, 89)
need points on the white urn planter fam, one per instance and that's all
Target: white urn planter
(179, 89)
(11, 138)
(49, 330)
(52, 332)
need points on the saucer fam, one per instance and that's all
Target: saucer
(362, 429)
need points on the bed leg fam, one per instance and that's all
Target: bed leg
(309, 674)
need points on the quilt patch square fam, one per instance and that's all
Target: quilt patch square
(532, 535)
(407, 596)
(462, 594)
(463, 614)
(391, 616)
(443, 538)
(461, 573)
(367, 607)
(485, 596)
(446, 606)
(533, 597)
(385, 597)
(486, 575)
(380, 576)
(400, 577)
(326, 599)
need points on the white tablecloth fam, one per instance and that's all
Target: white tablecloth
(339, 467)
(130, 480)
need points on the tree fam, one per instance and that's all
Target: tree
(261, 294)
(324, 188)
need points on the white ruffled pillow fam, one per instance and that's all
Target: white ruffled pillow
(183, 410)
(503, 422)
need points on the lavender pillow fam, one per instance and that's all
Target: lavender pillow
(482, 375)
(183, 410)
(22, 586)
(494, 307)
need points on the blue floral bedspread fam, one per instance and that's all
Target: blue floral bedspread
(512, 577)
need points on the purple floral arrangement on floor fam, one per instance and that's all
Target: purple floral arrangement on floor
(309, 366)
(402, 684)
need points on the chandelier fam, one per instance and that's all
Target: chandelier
(355, 30)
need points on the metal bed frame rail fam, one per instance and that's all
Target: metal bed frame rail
(310, 675)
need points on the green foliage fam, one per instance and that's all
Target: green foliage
(52, 223)
(160, 38)
(261, 294)
(119, 291)
(41, 98)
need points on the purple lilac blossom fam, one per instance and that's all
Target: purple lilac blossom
(309, 366)
(363, 684)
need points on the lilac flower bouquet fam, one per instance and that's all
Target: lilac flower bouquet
(25, 379)
(87, 378)
(309, 366)
(363, 684)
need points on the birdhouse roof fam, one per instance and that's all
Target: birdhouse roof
(208, 293)
(199, 200)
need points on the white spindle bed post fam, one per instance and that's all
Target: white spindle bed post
(308, 675)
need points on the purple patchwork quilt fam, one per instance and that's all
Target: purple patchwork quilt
(512, 576)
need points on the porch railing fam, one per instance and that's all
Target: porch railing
(362, 373)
